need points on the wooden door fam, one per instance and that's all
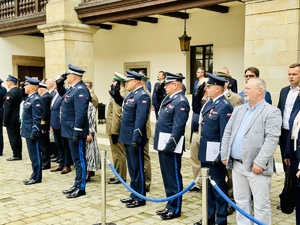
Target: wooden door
(31, 71)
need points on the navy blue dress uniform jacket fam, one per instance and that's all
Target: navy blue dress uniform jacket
(32, 114)
(74, 120)
(172, 118)
(134, 117)
(215, 117)
(11, 112)
(55, 112)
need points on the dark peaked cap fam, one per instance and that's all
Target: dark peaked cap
(12, 78)
(30, 80)
(171, 77)
(132, 75)
(215, 80)
(75, 70)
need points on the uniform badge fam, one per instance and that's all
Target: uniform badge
(182, 109)
(211, 112)
(7, 97)
(38, 105)
(144, 102)
(228, 115)
(80, 96)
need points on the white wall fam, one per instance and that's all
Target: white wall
(159, 44)
(18, 45)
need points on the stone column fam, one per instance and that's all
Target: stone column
(67, 40)
(272, 40)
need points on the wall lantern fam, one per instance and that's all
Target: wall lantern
(184, 40)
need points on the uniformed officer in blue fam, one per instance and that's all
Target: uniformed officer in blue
(75, 124)
(213, 119)
(172, 118)
(133, 135)
(31, 128)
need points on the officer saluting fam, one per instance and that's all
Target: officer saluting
(133, 135)
(75, 124)
(213, 119)
(31, 128)
(172, 118)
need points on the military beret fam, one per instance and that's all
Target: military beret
(75, 70)
(215, 80)
(132, 75)
(171, 77)
(32, 81)
(12, 78)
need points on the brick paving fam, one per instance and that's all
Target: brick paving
(45, 204)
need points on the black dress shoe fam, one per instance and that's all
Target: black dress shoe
(195, 189)
(76, 193)
(32, 181)
(160, 212)
(69, 190)
(127, 200)
(26, 180)
(278, 207)
(169, 215)
(45, 167)
(210, 222)
(135, 204)
(54, 160)
(112, 179)
(116, 181)
(13, 158)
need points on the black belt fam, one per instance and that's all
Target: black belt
(238, 160)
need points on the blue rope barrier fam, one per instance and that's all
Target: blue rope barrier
(144, 197)
(213, 183)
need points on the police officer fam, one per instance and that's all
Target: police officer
(159, 92)
(75, 124)
(213, 119)
(133, 135)
(172, 118)
(31, 128)
(11, 117)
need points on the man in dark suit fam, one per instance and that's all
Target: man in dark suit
(31, 128)
(2, 95)
(63, 149)
(136, 106)
(172, 119)
(45, 123)
(11, 117)
(287, 98)
(159, 92)
(75, 124)
(213, 119)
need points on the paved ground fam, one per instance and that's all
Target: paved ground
(45, 204)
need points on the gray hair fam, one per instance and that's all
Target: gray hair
(259, 83)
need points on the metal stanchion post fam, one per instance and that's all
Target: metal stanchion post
(103, 189)
(204, 173)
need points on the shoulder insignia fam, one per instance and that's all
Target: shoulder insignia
(80, 96)
(38, 105)
(144, 102)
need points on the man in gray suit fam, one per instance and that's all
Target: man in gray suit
(249, 142)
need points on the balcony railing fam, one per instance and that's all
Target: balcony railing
(17, 8)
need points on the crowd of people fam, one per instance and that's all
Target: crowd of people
(224, 125)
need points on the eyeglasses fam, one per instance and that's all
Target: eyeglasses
(249, 76)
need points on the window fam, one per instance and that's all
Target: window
(201, 56)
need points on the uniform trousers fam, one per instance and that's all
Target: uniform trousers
(1, 137)
(119, 158)
(294, 169)
(63, 149)
(282, 144)
(196, 164)
(78, 156)
(147, 166)
(45, 150)
(35, 157)
(216, 203)
(14, 137)
(246, 183)
(135, 163)
(170, 166)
